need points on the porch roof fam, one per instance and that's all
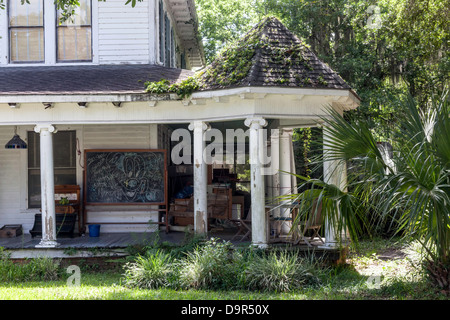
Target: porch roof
(84, 79)
(270, 55)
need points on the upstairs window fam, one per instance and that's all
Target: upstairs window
(161, 32)
(167, 43)
(34, 38)
(168, 54)
(26, 31)
(74, 36)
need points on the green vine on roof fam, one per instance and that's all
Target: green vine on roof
(183, 89)
(233, 64)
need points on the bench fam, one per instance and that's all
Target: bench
(65, 225)
(66, 214)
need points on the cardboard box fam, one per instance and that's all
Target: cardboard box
(10, 230)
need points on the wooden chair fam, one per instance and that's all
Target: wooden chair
(244, 226)
(314, 223)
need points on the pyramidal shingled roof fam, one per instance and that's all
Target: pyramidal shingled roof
(269, 55)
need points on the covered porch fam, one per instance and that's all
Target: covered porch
(267, 219)
(192, 133)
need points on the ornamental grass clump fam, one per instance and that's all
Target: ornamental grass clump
(280, 272)
(209, 266)
(152, 271)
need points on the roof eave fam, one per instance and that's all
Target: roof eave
(346, 97)
(186, 24)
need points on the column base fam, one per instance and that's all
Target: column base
(47, 244)
(329, 246)
(260, 245)
(334, 244)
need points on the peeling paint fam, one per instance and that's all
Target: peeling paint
(200, 223)
(49, 226)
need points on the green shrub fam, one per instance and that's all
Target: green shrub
(210, 266)
(152, 271)
(279, 271)
(43, 269)
(36, 269)
(216, 265)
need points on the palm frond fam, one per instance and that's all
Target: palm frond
(412, 189)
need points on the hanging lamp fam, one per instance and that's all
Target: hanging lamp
(16, 142)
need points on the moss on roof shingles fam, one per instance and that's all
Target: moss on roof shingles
(269, 55)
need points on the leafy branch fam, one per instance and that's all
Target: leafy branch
(183, 89)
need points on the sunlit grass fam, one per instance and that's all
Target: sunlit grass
(392, 266)
(110, 288)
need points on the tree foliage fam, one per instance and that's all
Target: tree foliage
(67, 6)
(382, 48)
(222, 22)
(410, 188)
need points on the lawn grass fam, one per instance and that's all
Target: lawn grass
(378, 270)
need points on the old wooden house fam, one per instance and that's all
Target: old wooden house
(73, 96)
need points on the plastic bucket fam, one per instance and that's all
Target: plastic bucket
(94, 230)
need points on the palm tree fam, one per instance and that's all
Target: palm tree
(411, 187)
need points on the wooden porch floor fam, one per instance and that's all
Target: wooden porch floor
(106, 240)
(115, 244)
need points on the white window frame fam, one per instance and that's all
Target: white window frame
(50, 38)
(170, 61)
(67, 27)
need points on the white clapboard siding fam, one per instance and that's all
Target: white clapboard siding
(121, 137)
(10, 177)
(118, 137)
(13, 171)
(123, 32)
(122, 219)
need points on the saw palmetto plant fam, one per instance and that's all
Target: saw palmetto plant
(408, 186)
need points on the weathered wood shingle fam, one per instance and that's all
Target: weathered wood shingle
(269, 55)
(88, 79)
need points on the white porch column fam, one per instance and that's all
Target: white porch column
(259, 219)
(285, 177)
(200, 178)
(48, 239)
(335, 172)
(275, 178)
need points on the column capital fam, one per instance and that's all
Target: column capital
(286, 132)
(199, 125)
(45, 127)
(255, 122)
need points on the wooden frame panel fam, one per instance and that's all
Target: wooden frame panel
(135, 177)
